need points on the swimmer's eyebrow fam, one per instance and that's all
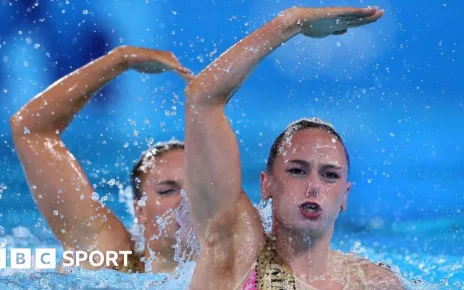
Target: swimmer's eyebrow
(308, 164)
(172, 183)
(299, 162)
(330, 166)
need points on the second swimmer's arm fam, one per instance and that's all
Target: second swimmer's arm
(52, 110)
(58, 183)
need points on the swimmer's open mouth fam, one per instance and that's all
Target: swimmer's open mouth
(310, 210)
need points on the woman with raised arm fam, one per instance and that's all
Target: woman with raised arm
(60, 187)
(306, 177)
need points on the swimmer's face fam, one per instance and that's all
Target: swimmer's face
(308, 184)
(162, 185)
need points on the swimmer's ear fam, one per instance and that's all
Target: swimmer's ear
(345, 196)
(140, 213)
(265, 185)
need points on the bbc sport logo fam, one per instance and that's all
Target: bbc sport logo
(45, 258)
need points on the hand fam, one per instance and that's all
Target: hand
(152, 61)
(322, 22)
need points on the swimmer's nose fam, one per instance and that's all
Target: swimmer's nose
(312, 190)
(313, 186)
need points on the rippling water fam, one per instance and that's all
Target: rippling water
(435, 270)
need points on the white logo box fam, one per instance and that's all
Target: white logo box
(45, 258)
(23, 258)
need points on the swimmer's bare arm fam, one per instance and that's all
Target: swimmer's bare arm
(56, 179)
(213, 162)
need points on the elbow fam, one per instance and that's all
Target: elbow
(24, 123)
(21, 126)
(189, 90)
(198, 96)
(193, 94)
(16, 125)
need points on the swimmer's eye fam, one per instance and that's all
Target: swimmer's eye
(331, 175)
(296, 171)
(166, 192)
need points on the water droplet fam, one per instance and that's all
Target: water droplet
(95, 196)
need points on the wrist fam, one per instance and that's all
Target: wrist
(120, 56)
(291, 19)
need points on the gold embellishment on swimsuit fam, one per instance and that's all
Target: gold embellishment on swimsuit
(273, 275)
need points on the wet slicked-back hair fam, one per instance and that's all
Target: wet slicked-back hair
(146, 162)
(282, 140)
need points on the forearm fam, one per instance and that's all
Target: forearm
(54, 108)
(216, 84)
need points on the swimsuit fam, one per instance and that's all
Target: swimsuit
(267, 272)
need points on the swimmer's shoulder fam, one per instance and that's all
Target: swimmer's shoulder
(380, 276)
(374, 275)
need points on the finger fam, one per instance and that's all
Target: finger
(168, 59)
(181, 69)
(188, 77)
(174, 64)
(364, 21)
(340, 32)
(352, 13)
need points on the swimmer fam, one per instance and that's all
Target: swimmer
(60, 187)
(306, 177)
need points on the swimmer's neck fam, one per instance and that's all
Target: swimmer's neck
(307, 258)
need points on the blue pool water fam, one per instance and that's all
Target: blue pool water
(393, 90)
(428, 252)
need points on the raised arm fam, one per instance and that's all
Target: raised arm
(223, 217)
(213, 166)
(59, 185)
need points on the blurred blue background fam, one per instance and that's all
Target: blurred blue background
(393, 90)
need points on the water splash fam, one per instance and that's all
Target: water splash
(187, 247)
